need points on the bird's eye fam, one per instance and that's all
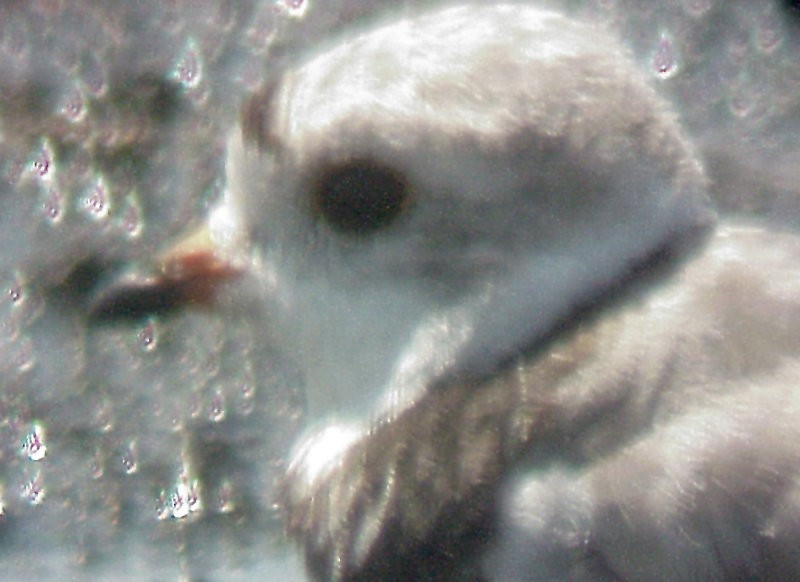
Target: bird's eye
(360, 197)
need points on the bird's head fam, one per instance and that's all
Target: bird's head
(433, 198)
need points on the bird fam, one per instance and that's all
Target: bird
(531, 348)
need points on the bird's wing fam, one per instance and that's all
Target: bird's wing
(655, 413)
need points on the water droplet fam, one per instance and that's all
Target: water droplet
(33, 490)
(664, 60)
(295, 8)
(248, 391)
(162, 506)
(193, 497)
(96, 465)
(128, 458)
(768, 34)
(53, 206)
(93, 76)
(246, 403)
(261, 33)
(193, 406)
(15, 292)
(97, 203)
(33, 445)
(741, 101)
(42, 165)
(104, 416)
(148, 339)
(131, 219)
(23, 358)
(74, 106)
(181, 502)
(216, 410)
(224, 499)
(188, 70)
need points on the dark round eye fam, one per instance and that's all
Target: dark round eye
(360, 197)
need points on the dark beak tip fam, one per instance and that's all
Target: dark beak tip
(187, 279)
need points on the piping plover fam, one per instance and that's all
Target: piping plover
(530, 351)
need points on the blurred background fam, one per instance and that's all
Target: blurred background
(148, 449)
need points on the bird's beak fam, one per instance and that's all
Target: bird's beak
(196, 257)
(189, 272)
